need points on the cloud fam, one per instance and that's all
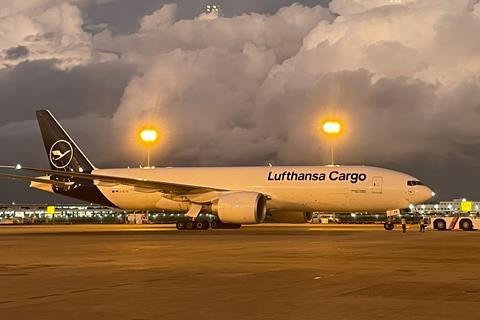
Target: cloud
(259, 84)
(159, 20)
(228, 33)
(390, 70)
(15, 53)
(30, 86)
(251, 88)
(50, 29)
(350, 7)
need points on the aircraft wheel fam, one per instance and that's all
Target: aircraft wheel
(201, 225)
(214, 224)
(388, 226)
(466, 225)
(180, 225)
(189, 225)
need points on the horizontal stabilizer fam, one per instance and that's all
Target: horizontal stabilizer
(61, 184)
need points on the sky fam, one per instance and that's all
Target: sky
(248, 88)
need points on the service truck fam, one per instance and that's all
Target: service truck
(465, 223)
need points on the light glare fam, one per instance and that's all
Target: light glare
(332, 127)
(149, 135)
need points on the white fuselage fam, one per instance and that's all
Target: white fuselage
(319, 188)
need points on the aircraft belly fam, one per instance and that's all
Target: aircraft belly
(125, 198)
(377, 202)
(324, 200)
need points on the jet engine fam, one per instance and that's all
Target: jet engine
(241, 208)
(291, 216)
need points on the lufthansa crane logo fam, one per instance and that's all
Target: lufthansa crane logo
(61, 154)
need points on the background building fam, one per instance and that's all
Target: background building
(449, 207)
(75, 213)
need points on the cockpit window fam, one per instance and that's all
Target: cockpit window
(414, 183)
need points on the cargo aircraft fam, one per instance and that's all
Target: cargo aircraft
(234, 195)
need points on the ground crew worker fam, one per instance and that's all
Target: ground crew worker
(404, 225)
(422, 225)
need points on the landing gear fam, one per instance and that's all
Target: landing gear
(204, 225)
(193, 225)
(181, 225)
(201, 225)
(388, 225)
(214, 224)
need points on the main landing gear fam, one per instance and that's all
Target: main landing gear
(192, 225)
(204, 225)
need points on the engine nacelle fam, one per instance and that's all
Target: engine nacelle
(291, 216)
(241, 208)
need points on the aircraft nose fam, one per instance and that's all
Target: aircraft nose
(420, 194)
(426, 194)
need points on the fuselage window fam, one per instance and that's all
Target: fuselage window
(412, 183)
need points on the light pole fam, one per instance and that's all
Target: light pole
(149, 137)
(332, 128)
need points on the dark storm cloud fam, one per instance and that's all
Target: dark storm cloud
(94, 88)
(121, 16)
(233, 8)
(15, 53)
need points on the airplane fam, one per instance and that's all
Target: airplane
(234, 195)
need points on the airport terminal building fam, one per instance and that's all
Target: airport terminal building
(75, 213)
(449, 207)
(78, 213)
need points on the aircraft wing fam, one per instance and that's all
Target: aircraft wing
(140, 184)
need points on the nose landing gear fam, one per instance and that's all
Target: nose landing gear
(388, 225)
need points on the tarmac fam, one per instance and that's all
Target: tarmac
(271, 271)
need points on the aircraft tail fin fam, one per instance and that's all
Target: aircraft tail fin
(63, 153)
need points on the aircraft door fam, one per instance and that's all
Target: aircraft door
(377, 183)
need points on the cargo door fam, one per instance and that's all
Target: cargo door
(377, 183)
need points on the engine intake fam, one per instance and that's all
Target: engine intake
(241, 207)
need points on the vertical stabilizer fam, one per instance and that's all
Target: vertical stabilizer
(63, 153)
